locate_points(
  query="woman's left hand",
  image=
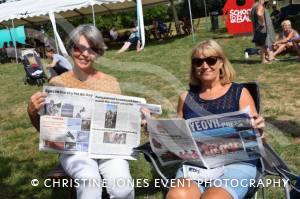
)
(144, 112)
(259, 123)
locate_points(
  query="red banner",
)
(237, 17)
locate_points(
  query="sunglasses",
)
(198, 62)
(80, 49)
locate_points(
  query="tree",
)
(175, 15)
(197, 7)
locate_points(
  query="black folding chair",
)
(271, 164)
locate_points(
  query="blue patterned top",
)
(194, 106)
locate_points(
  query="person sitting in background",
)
(4, 45)
(11, 44)
(154, 28)
(275, 13)
(186, 26)
(134, 38)
(59, 64)
(286, 38)
(113, 33)
(19, 45)
(3, 54)
(159, 29)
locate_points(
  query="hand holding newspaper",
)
(103, 125)
(209, 141)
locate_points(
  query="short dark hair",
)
(91, 33)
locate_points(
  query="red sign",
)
(237, 17)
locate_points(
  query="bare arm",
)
(53, 64)
(286, 40)
(181, 100)
(247, 100)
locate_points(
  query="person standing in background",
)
(264, 35)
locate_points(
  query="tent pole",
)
(56, 44)
(140, 19)
(14, 40)
(191, 21)
(205, 9)
(93, 11)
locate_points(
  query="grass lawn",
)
(159, 74)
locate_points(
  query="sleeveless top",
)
(295, 35)
(194, 106)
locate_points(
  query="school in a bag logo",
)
(237, 16)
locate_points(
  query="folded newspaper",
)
(209, 141)
(102, 125)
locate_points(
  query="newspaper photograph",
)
(226, 138)
(172, 141)
(101, 125)
(116, 126)
(209, 141)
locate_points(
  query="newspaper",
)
(101, 125)
(209, 141)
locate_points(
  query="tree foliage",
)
(197, 7)
(126, 19)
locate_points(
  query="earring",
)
(222, 72)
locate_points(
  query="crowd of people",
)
(265, 37)
(36, 39)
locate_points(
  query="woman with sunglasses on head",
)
(85, 44)
(212, 91)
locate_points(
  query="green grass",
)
(159, 74)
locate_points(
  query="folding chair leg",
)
(287, 189)
(256, 195)
(264, 192)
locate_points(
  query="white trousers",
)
(115, 172)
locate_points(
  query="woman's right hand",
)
(36, 102)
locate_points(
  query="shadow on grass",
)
(5, 172)
(244, 61)
(156, 183)
(155, 186)
(287, 127)
(13, 185)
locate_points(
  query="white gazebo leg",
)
(191, 21)
(14, 40)
(140, 17)
(93, 12)
(58, 41)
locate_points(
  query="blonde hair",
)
(212, 48)
(286, 23)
